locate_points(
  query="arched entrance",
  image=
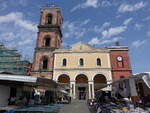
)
(99, 82)
(81, 87)
(64, 80)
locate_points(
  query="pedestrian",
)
(69, 99)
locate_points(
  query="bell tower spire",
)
(50, 28)
(48, 39)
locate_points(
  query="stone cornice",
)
(117, 48)
(37, 71)
(72, 52)
(70, 69)
(113, 70)
(45, 49)
(50, 8)
(50, 28)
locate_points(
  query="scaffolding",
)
(10, 62)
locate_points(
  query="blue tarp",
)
(10, 111)
(48, 109)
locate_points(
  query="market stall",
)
(19, 91)
(129, 95)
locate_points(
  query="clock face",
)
(119, 58)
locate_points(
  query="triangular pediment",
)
(81, 46)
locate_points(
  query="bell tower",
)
(48, 39)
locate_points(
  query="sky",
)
(98, 22)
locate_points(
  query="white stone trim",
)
(91, 94)
(73, 88)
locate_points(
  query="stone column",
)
(72, 89)
(91, 89)
(93, 93)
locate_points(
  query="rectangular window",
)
(120, 64)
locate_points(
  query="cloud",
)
(101, 41)
(113, 31)
(17, 19)
(3, 5)
(94, 41)
(79, 29)
(75, 29)
(85, 22)
(87, 3)
(17, 32)
(98, 29)
(127, 21)
(106, 31)
(105, 3)
(138, 26)
(25, 42)
(16, 37)
(106, 24)
(7, 36)
(138, 43)
(91, 3)
(130, 8)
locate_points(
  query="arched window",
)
(49, 19)
(47, 42)
(81, 62)
(44, 63)
(64, 63)
(98, 62)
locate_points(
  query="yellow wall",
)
(90, 68)
(90, 60)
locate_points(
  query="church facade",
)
(84, 68)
